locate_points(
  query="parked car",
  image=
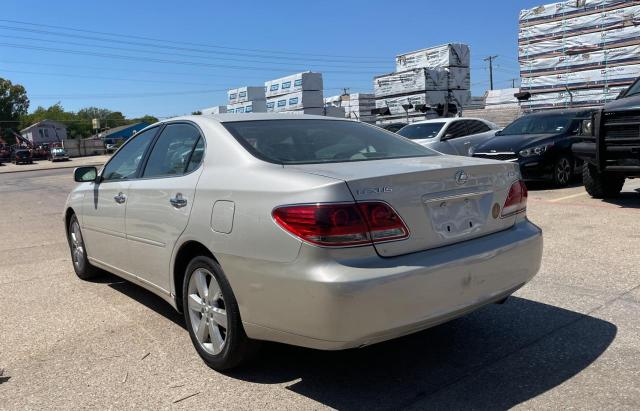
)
(393, 127)
(541, 144)
(610, 146)
(22, 157)
(456, 136)
(306, 230)
(58, 154)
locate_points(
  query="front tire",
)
(600, 185)
(562, 171)
(213, 317)
(84, 270)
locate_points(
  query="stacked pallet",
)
(301, 93)
(433, 76)
(214, 110)
(357, 106)
(246, 100)
(578, 53)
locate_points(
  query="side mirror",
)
(85, 174)
(498, 133)
(447, 136)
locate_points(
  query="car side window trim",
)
(147, 150)
(155, 140)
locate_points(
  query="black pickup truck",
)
(610, 145)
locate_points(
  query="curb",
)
(62, 166)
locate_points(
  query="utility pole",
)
(490, 60)
(513, 82)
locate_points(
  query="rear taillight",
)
(516, 201)
(341, 225)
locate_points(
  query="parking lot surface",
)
(7, 167)
(569, 339)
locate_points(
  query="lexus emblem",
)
(461, 177)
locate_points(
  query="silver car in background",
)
(305, 230)
(456, 136)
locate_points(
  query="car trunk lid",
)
(441, 199)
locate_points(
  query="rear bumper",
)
(362, 299)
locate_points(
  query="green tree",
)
(145, 119)
(14, 103)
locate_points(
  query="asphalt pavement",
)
(569, 339)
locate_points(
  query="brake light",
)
(341, 225)
(516, 201)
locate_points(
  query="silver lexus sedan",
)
(305, 230)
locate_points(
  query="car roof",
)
(578, 112)
(228, 118)
(448, 120)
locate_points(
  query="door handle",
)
(178, 201)
(120, 198)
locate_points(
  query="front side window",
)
(321, 141)
(124, 164)
(172, 151)
(421, 131)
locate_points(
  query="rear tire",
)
(600, 185)
(84, 270)
(209, 302)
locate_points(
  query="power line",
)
(208, 56)
(93, 77)
(137, 70)
(167, 61)
(293, 53)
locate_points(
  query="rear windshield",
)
(321, 141)
(421, 131)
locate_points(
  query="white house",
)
(45, 132)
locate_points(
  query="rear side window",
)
(456, 129)
(321, 141)
(476, 127)
(172, 152)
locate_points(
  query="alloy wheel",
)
(77, 246)
(563, 171)
(207, 311)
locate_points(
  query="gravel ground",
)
(569, 339)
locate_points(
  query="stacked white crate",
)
(578, 53)
(300, 93)
(432, 76)
(214, 110)
(357, 106)
(246, 99)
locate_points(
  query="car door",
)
(159, 204)
(103, 208)
(473, 136)
(453, 131)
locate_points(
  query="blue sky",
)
(170, 58)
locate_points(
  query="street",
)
(569, 339)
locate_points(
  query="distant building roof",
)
(39, 123)
(107, 133)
